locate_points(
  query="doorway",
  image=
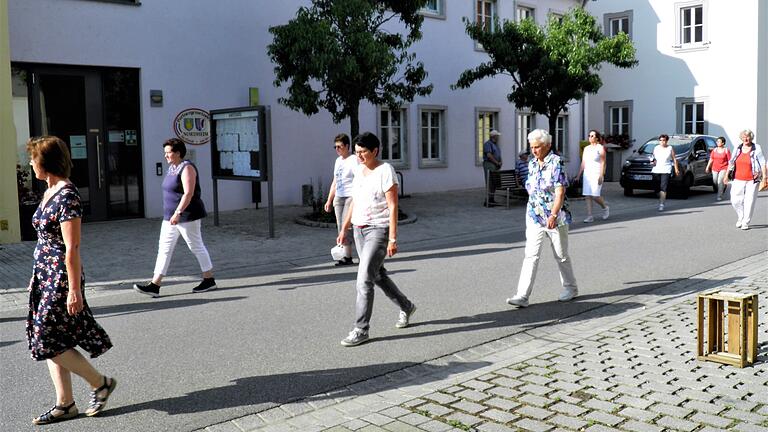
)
(96, 112)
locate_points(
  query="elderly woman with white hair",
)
(547, 217)
(745, 170)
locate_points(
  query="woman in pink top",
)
(718, 165)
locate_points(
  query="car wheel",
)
(628, 191)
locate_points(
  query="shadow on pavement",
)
(539, 314)
(284, 388)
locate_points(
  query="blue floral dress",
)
(50, 329)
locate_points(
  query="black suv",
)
(692, 154)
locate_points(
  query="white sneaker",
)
(719, 198)
(738, 223)
(744, 226)
(589, 219)
(661, 207)
(520, 302)
(606, 212)
(355, 337)
(568, 295)
(405, 317)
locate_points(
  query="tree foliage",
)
(550, 66)
(336, 53)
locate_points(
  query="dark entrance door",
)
(96, 113)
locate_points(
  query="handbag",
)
(732, 172)
(763, 185)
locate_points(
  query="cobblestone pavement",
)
(616, 369)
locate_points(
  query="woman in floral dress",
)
(59, 318)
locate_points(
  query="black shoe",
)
(344, 262)
(57, 414)
(149, 289)
(207, 284)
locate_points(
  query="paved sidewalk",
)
(614, 369)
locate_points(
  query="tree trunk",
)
(553, 131)
(354, 121)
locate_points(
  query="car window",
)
(711, 143)
(680, 146)
(700, 145)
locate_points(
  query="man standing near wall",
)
(491, 162)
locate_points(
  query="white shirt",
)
(663, 156)
(343, 173)
(369, 202)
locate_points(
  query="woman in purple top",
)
(183, 211)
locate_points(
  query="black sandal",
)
(98, 403)
(69, 411)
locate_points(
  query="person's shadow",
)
(284, 388)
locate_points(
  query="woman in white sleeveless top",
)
(593, 170)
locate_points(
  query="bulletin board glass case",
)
(238, 144)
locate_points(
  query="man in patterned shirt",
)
(547, 216)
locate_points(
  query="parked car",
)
(692, 154)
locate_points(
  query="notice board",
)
(238, 144)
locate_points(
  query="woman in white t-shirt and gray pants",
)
(340, 194)
(663, 161)
(373, 216)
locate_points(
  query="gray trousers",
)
(371, 243)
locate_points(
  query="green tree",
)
(550, 66)
(336, 53)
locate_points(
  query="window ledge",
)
(692, 47)
(432, 164)
(435, 15)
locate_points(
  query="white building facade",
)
(703, 69)
(110, 77)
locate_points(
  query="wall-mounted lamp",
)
(156, 98)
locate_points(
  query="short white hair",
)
(748, 133)
(540, 135)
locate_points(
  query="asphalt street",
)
(186, 361)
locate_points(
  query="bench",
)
(507, 183)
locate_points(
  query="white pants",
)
(743, 197)
(534, 236)
(169, 235)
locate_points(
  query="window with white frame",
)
(557, 17)
(690, 115)
(485, 12)
(691, 23)
(524, 12)
(618, 117)
(393, 132)
(486, 121)
(561, 135)
(526, 122)
(619, 22)
(432, 136)
(434, 8)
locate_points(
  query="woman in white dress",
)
(592, 171)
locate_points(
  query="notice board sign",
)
(238, 144)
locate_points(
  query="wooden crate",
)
(739, 312)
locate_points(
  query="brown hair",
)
(177, 146)
(52, 154)
(342, 138)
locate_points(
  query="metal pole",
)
(215, 202)
(270, 174)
